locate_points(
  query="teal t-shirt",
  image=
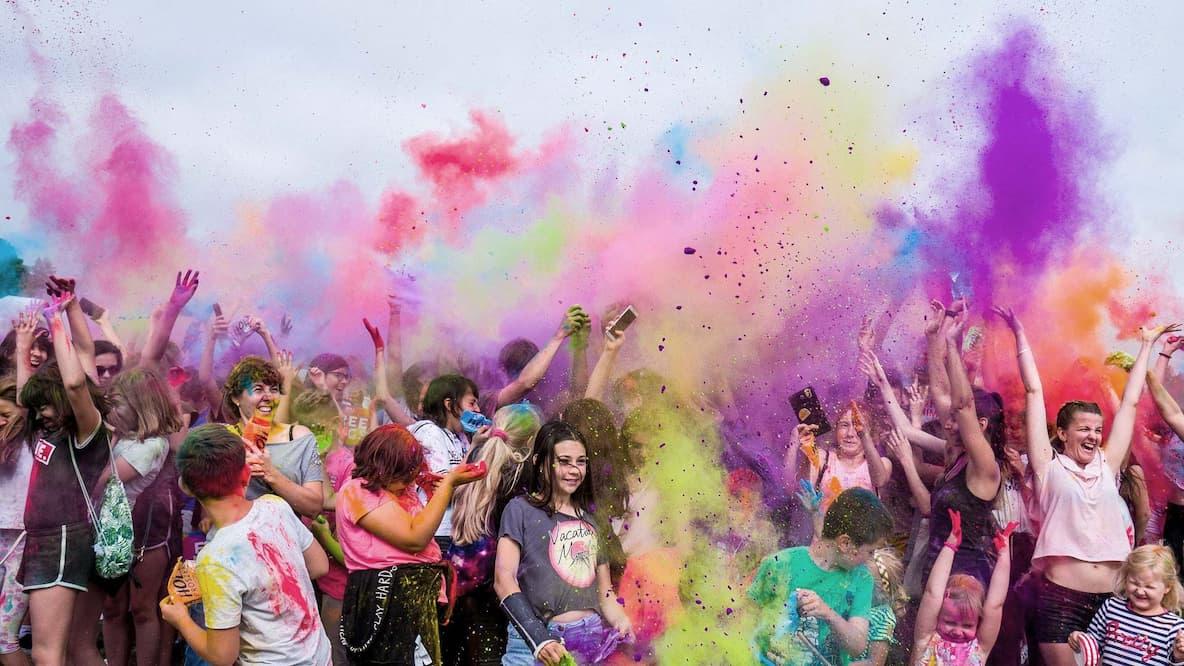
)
(848, 592)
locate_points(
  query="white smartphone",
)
(622, 321)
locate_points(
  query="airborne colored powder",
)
(752, 260)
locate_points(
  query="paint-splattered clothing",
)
(253, 576)
(839, 475)
(364, 550)
(560, 553)
(940, 652)
(848, 592)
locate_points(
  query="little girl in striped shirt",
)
(1139, 624)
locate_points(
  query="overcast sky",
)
(253, 99)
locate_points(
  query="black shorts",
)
(1061, 611)
(62, 556)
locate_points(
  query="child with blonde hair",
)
(1140, 624)
(888, 605)
(956, 625)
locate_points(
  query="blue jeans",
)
(588, 639)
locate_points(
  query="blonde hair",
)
(1158, 560)
(888, 571)
(148, 398)
(505, 456)
(966, 593)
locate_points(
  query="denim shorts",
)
(588, 639)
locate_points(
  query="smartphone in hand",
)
(808, 408)
(622, 322)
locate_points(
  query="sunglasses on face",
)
(107, 370)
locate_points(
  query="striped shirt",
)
(1128, 638)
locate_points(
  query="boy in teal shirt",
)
(822, 589)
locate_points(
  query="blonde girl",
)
(1140, 623)
(956, 624)
(888, 605)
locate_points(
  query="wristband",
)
(950, 546)
(1165, 355)
(532, 628)
(1025, 350)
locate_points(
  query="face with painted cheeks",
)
(1083, 437)
(955, 623)
(259, 398)
(569, 469)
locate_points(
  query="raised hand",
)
(1003, 536)
(375, 336)
(287, 368)
(184, 289)
(25, 326)
(955, 538)
(1008, 316)
(613, 340)
(219, 327)
(898, 446)
(867, 334)
(934, 317)
(574, 319)
(1152, 334)
(809, 496)
(58, 286)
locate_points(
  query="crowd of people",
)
(153, 511)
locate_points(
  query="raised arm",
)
(102, 318)
(74, 380)
(935, 587)
(533, 373)
(183, 289)
(84, 344)
(205, 368)
(878, 467)
(258, 326)
(992, 614)
(599, 379)
(577, 376)
(939, 379)
(983, 470)
(25, 327)
(1123, 430)
(1168, 408)
(382, 386)
(1039, 448)
(870, 366)
(1170, 345)
(898, 447)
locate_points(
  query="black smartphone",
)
(217, 310)
(622, 321)
(90, 308)
(808, 409)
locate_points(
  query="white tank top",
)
(1084, 517)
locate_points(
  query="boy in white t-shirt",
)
(258, 596)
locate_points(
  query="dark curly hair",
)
(249, 371)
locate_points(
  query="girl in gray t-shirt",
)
(551, 574)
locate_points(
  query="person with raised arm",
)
(71, 449)
(973, 423)
(1087, 531)
(1172, 447)
(956, 623)
(598, 380)
(525, 364)
(396, 411)
(165, 317)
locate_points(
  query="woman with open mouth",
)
(1087, 529)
